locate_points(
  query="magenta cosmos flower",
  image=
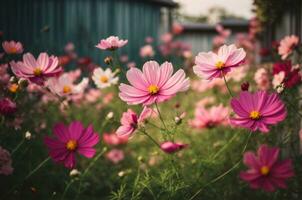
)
(265, 170)
(111, 43)
(154, 84)
(257, 110)
(12, 47)
(130, 121)
(36, 70)
(7, 106)
(70, 140)
(211, 65)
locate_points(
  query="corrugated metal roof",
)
(167, 3)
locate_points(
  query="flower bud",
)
(109, 115)
(245, 86)
(74, 173)
(13, 88)
(171, 147)
(13, 79)
(108, 60)
(23, 83)
(27, 135)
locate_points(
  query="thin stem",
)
(226, 172)
(160, 116)
(150, 137)
(226, 84)
(18, 146)
(87, 170)
(37, 168)
(67, 187)
(225, 146)
(155, 126)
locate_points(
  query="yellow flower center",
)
(264, 170)
(37, 71)
(219, 64)
(13, 88)
(71, 145)
(255, 115)
(13, 50)
(153, 89)
(66, 89)
(104, 79)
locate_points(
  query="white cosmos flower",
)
(64, 86)
(103, 79)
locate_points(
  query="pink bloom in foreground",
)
(287, 44)
(113, 139)
(154, 84)
(130, 121)
(70, 140)
(115, 156)
(172, 147)
(256, 111)
(111, 43)
(211, 65)
(5, 162)
(265, 170)
(7, 106)
(12, 47)
(36, 70)
(209, 118)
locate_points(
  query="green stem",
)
(226, 172)
(225, 146)
(226, 84)
(37, 168)
(18, 146)
(150, 137)
(67, 187)
(160, 116)
(87, 170)
(155, 126)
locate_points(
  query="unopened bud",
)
(108, 60)
(110, 115)
(74, 173)
(177, 120)
(27, 135)
(13, 79)
(23, 83)
(245, 86)
(13, 88)
(280, 88)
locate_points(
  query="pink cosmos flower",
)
(210, 65)
(7, 106)
(214, 116)
(115, 156)
(154, 84)
(265, 170)
(36, 70)
(130, 122)
(12, 47)
(111, 43)
(146, 51)
(4, 75)
(172, 147)
(5, 162)
(166, 38)
(287, 44)
(258, 110)
(70, 140)
(262, 79)
(64, 85)
(92, 95)
(113, 139)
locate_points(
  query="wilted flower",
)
(36, 70)
(12, 47)
(210, 65)
(64, 86)
(115, 156)
(172, 147)
(104, 79)
(5, 162)
(70, 140)
(111, 43)
(258, 110)
(265, 170)
(7, 106)
(154, 84)
(287, 44)
(130, 121)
